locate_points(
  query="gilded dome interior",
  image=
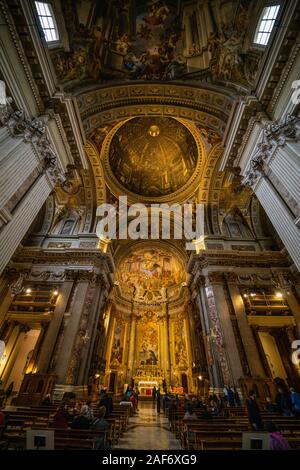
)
(153, 156)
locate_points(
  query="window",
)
(266, 24)
(47, 21)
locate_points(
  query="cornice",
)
(261, 259)
(74, 257)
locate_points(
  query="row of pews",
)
(19, 419)
(225, 433)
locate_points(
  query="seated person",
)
(61, 418)
(277, 441)
(214, 408)
(100, 424)
(47, 400)
(190, 415)
(272, 407)
(81, 421)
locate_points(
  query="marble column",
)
(15, 168)
(253, 358)
(285, 164)
(48, 345)
(209, 350)
(281, 218)
(6, 299)
(224, 335)
(91, 332)
(109, 342)
(9, 348)
(12, 351)
(132, 344)
(13, 232)
(71, 330)
(166, 324)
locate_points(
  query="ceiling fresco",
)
(155, 40)
(153, 156)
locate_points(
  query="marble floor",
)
(148, 431)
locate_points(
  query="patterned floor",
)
(148, 431)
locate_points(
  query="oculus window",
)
(266, 24)
(47, 21)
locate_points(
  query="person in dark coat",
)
(271, 407)
(284, 403)
(254, 412)
(154, 393)
(100, 424)
(230, 397)
(158, 401)
(61, 418)
(106, 400)
(236, 397)
(82, 420)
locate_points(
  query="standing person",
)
(136, 395)
(154, 393)
(133, 401)
(225, 393)
(284, 403)
(295, 399)
(236, 397)
(253, 411)
(230, 397)
(158, 401)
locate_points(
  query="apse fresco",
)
(148, 273)
(155, 40)
(153, 156)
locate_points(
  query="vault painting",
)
(153, 156)
(146, 275)
(156, 40)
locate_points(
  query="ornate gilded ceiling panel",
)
(153, 156)
(153, 159)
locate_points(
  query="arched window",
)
(47, 20)
(266, 24)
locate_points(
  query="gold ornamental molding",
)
(207, 106)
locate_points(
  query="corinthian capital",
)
(280, 131)
(35, 132)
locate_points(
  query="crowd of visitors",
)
(81, 416)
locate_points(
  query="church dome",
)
(153, 156)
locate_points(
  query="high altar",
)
(149, 325)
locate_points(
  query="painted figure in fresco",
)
(151, 359)
(157, 13)
(134, 65)
(122, 44)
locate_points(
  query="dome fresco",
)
(153, 156)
